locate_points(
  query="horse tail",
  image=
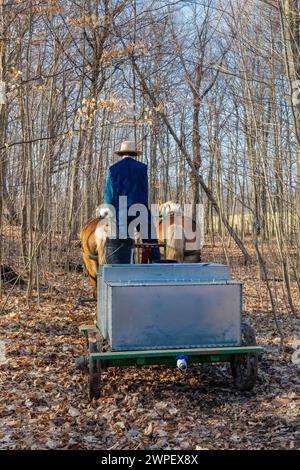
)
(175, 242)
(89, 251)
(101, 234)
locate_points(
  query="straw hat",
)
(127, 148)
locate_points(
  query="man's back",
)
(128, 177)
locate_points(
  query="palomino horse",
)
(93, 241)
(90, 251)
(180, 233)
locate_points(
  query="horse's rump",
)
(89, 250)
(182, 235)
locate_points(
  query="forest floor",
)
(43, 397)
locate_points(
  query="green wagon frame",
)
(243, 359)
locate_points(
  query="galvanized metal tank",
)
(142, 307)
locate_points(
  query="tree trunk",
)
(290, 24)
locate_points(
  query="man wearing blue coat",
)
(128, 178)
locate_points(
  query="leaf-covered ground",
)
(44, 403)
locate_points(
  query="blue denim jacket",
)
(128, 177)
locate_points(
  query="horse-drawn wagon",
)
(173, 314)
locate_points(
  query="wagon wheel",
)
(94, 366)
(244, 366)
